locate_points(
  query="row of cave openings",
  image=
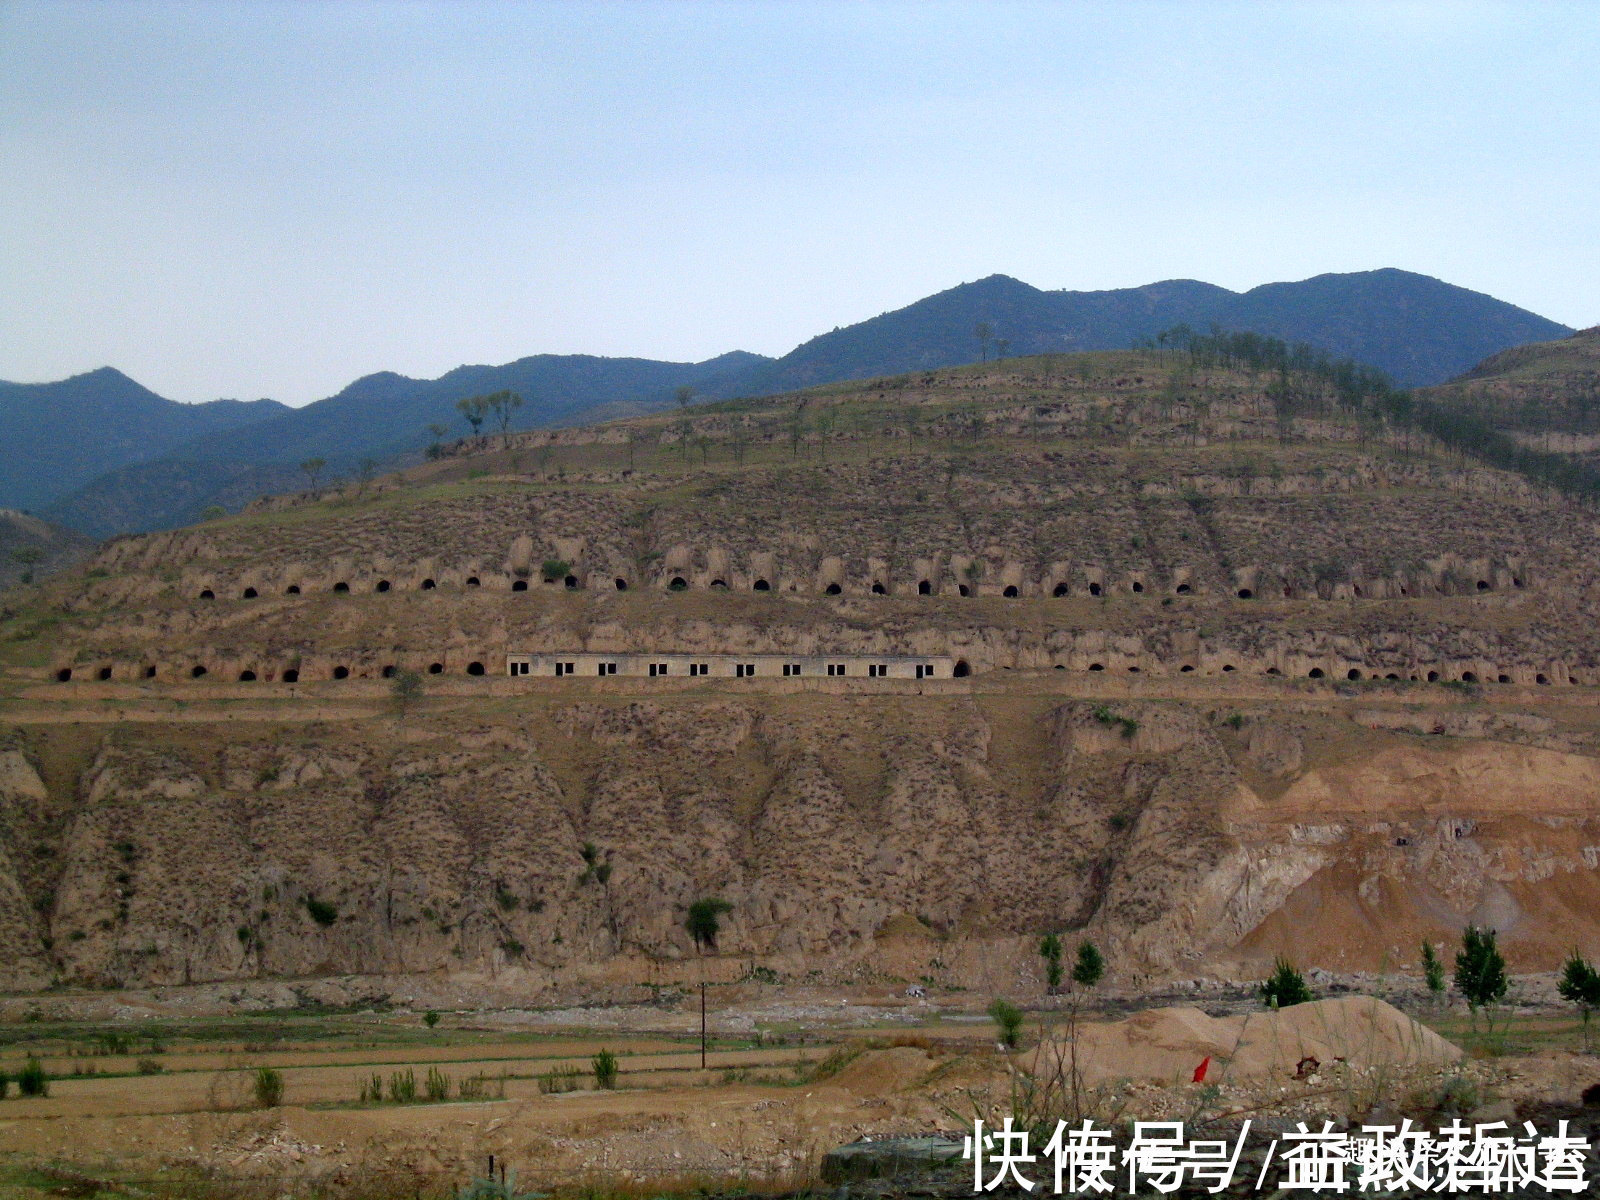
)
(961, 670)
(925, 587)
(249, 675)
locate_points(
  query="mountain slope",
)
(1417, 329)
(59, 436)
(378, 416)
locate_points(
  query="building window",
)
(835, 668)
(657, 669)
(924, 670)
(877, 670)
(606, 669)
(699, 668)
(563, 669)
(744, 670)
(791, 668)
(520, 668)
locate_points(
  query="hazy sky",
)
(271, 199)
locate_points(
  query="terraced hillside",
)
(1239, 669)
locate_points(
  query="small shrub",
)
(1432, 971)
(436, 1086)
(149, 1066)
(1285, 986)
(268, 1087)
(430, 1018)
(1008, 1018)
(372, 1090)
(31, 1080)
(321, 911)
(605, 1070)
(403, 1087)
(558, 1080)
(1235, 722)
(554, 568)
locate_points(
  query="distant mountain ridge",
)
(103, 455)
(1416, 329)
(59, 436)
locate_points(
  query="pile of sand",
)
(1167, 1044)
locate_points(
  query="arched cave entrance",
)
(1010, 592)
(879, 590)
(1137, 586)
(571, 582)
(761, 585)
(833, 589)
(248, 594)
(1094, 589)
(435, 668)
(388, 671)
(197, 671)
(292, 590)
(924, 587)
(1469, 677)
(381, 586)
(428, 585)
(1314, 673)
(64, 675)
(963, 589)
(103, 674)
(720, 585)
(962, 669)
(677, 584)
(519, 585)
(341, 672)
(208, 594)
(341, 586)
(1097, 666)
(622, 584)
(247, 676)
(1353, 673)
(291, 676)
(474, 668)
(150, 672)
(1246, 594)
(1183, 589)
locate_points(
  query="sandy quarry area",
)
(787, 1078)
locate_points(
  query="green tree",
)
(1480, 969)
(1285, 986)
(474, 409)
(28, 557)
(430, 1018)
(313, 469)
(1433, 971)
(1090, 966)
(1008, 1017)
(1050, 951)
(984, 332)
(704, 921)
(684, 395)
(1580, 985)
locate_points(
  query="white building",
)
(736, 666)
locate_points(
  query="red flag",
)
(1200, 1071)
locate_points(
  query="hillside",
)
(1546, 396)
(59, 436)
(1232, 675)
(1417, 329)
(32, 549)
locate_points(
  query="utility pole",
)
(702, 1024)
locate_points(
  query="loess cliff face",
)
(565, 840)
